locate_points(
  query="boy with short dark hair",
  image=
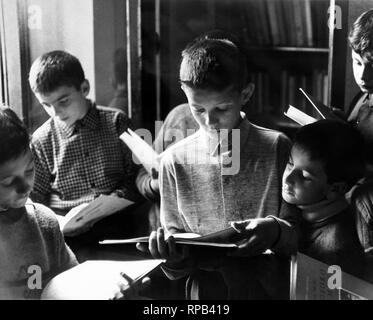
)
(229, 170)
(360, 114)
(326, 160)
(32, 248)
(78, 153)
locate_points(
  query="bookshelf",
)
(289, 45)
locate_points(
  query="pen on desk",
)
(128, 278)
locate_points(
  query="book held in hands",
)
(303, 119)
(227, 238)
(85, 215)
(142, 151)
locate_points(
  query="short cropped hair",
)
(213, 64)
(14, 138)
(55, 69)
(338, 145)
(361, 35)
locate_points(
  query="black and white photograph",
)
(186, 154)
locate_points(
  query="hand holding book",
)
(258, 234)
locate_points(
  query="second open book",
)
(302, 118)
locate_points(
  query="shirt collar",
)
(90, 121)
(224, 143)
(323, 210)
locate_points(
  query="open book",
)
(97, 280)
(302, 118)
(85, 215)
(227, 238)
(143, 152)
(311, 279)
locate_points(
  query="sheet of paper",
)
(96, 280)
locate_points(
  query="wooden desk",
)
(97, 279)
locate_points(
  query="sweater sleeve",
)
(42, 187)
(170, 217)
(288, 216)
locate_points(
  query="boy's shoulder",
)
(44, 132)
(45, 217)
(183, 146)
(266, 134)
(112, 117)
(110, 111)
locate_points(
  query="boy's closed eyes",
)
(304, 180)
(16, 181)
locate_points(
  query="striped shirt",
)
(76, 163)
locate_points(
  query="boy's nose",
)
(288, 178)
(211, 119)
(367, 74)
(23, 187)
(57, 111)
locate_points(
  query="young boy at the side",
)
(361, 115)
(32, 247)
(78, 153)
(201, 198)
(326, 160)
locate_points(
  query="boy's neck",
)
(11, 215)
(320, 211)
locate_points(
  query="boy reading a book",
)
(32, 244)
(326, 160)
(178, 125)
(229, 170)
(78, 153)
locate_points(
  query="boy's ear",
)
(85, 87)
(337, 188)
(247, 92)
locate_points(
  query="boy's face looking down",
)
(16, 180)
(304, 180)
(66, 103)
(363, 72)
(216, 110)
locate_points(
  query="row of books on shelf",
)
(270, 96)
(294, 23)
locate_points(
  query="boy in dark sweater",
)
(326, 160)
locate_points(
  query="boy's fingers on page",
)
(153, 245)
(162, 244)
(239, 226)
(143, 247)
(171, 246)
